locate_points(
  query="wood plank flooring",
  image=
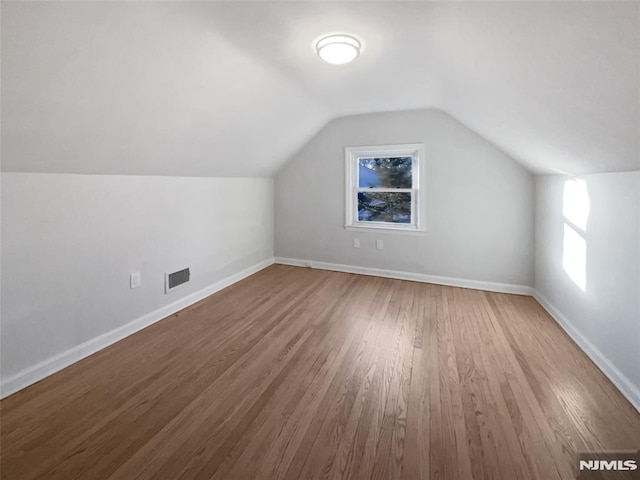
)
(298, 373)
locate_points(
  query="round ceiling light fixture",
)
(338, 49)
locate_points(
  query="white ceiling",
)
(235, 88)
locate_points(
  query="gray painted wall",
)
(479, 202)
(69, 243)
(607, 312)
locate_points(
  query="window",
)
(383, 188)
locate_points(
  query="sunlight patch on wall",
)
(575, 208)
(574, 256)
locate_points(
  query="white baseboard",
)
(626, 387)
(47, 367)
(416, 277)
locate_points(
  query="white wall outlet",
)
(356, 243)
(379, 244)
(135, 280)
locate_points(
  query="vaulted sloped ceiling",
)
(235, 88)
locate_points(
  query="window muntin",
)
(383, 187)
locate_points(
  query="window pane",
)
(390, 172)
(384, 207)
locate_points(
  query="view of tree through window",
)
(389, 181)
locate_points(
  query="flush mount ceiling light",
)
(338, 49)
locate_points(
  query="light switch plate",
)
(135, 280)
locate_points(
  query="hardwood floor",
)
(298, 373)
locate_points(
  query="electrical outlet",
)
(356, 243)
(135, 280)
(379, 244)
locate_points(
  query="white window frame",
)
(352, 155)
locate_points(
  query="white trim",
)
(415, 277)
(619, 380)
(626, 387)
(37, 372)
(48, 367)
(380, 229)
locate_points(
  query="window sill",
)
(378, 229)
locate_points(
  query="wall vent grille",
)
(176, 279)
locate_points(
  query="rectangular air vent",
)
(176, 279)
